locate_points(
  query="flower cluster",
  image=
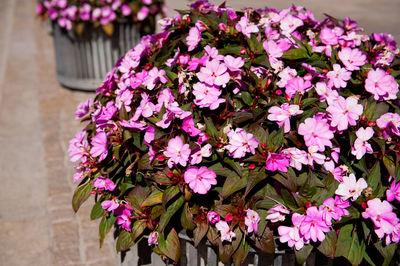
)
(70, 13)
(245, 127)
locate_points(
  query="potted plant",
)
(245, 127)
(90, 36)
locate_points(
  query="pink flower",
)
(273, 50)
(124, 98)
(99, 145)
(338, 77)
(289, 24)
(143, 13)
(152, 240)
(241, 142)
(277, 213)
(78, 147)
(141, 125)
(154, 76)
(277, 162)
(297, 157)
(326, 93)
(213, 217)
(393, 192)
(352, 58)
(292, 234)
(109, 205)
(296, 85)
(382, 85)
(177, 152)
(313, 155)
(233, 63)
(282, 114)
(328, 36)
(361, 146)
(197, 157)
(103, 183)
(200, 179)
(193, 38)
(381, 214)
(246, 27)
(314, 226)
(214, 73)
(344, 112)
(124, 217)
(188, 127)
(83, 108)
(226, 233)
(390, 123)
(333, 209)
(251, 221)
(207, 96)
(286, 75)
(350, 188)
(316, 132)
(145, 109)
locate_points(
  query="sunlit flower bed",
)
(242, 127)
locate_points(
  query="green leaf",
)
(234, 164)
(233, 184)
(240, 117)
(210, 128)
(137, 229)
(136, 197)
(97, 211)
(328, 246)
(386, 251)
(154, 198)
(241, 253)
(171, 210)
(302, 254)
(169, 194)
(349, 245)
(81, 194)
(294, 54)
(265, 242)
(374, 176)
(124, 241)
(187, 219)
(199, 232)
(288, 199)
(246, 97)
(171, 246)
(105, 226)
(390, 166)
(253, 179)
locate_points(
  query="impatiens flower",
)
(273, 50)
(177, 152)
(328, 36)
(214, 73)
(333, 209)
(213, 217)
(344, 112)
(326, 94)
(207, 96)
(124, 98)
(277, 161)
(110, 205)
(338, 77)
(233, 63)
(241, 142)
(154, 76)
(316, 132)
(251, 221)
(200, 179)
(296, 85)
(290, 24)
(382, 85)
(103, 183)
(390, 124)
(246, 27)
(314, 226)
(143, 13)
(361, 146)
(297, 157)
(83, 108)
(188, 127)
(350, 187)
(153, 238)
(193, 38)
(291, 235)
(277, 213)
(225, 231)
(286, 75)
(352, 58)
(314, 156)
(382, 215)
(393, 192)
(99, 145)
(145, 109)
(196, 157)
(78, 147)
(123, 214)
(282, 114)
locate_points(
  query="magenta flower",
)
(390, 124)
(103, 183)
(361, 145)
(193, 38)
(207, 96)
(109, 205)
(277, 213)
(382, 85)
(283, 114)
(297, 85)
(213, 217)
(188, 127)
(350, 188)
(251, 221)
(393, 192)
(214, 73)
(241, 142)
(246, 27)
(225, 231)
(291, 235)
(141, 125)
(316, 132)
(83, 108)
(344, 112)
(153, 77)
(277, 162)
(177, 152)
(352, 58)
(78, 147)
(99, 145)
(143, 13)
(314, 226)
(200, 179)
(153, 238)
(338, 77)
(124, 217)
(145, 109)
(382, 215)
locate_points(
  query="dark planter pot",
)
(83, 61)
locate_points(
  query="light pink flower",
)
(333, 209)
(143, 13)
(177, 152)
(314, 226)
(214, 73)
(382, 85)
(338, 77)
(314, 156)
(297, 157)
(233, 63)
(316, 132)
(291, 235)
(283, 114)
(289, 24)
(344, 112)
(110, 205)
(78, 147)
(83, 108)
(153, 77)
(226, 233)
(393, 192)
(103, 183)
(273, 50)
(296, 85)
(246, 27)
(277, 161)
(141, 125)
(197, 157)
(99, 145)
(207, 96)
(328, 36)
(152, 240)
(241, 142)
(193, 38)
(277, 213)
(200, 179)
(145, 109)
(350, 187)
(352, 58)
(326, 93)
(361, 146)
(213, 217)
(251, 221)
(286, 75)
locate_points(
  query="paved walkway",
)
(37, 224)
